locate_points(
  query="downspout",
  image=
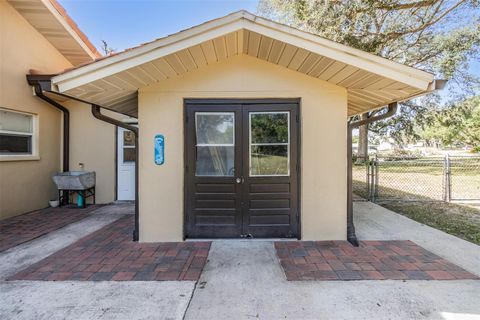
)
(42, 83)
(97, 114)
(351, 235)
(37, 82)
(66, 121)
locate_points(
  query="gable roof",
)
(371, 81)
(50, 19)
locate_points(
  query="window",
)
(269, 144)
(215, 134)
(17, 133)
(129, 153)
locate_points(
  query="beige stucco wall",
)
(323, 129)
(27, 185)
(92, 142)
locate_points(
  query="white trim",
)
(250, 144)
(34, 155)
(18, 157)
(232, 23)
(215, 145)
(207, 113)
(215, 114)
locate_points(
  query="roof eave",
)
(59, 13)
(245, 20)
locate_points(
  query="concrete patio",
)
(243, 279)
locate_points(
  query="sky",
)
(128, 23)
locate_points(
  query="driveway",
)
(244, 280)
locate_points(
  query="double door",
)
(241, 176)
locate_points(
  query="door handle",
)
(239, 180)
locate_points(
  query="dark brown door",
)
(241, 169)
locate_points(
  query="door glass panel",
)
(129, 155)
(215, 136)
(269, 143)
(269, 160)
(214, 128)
(128, 138)
(269, 127)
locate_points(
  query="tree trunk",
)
(362, 152)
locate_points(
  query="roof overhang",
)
(371, 81)
(50, 19)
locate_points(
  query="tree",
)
(455, 124)
(107, 50)
(439, 36)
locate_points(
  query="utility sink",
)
(75, 180)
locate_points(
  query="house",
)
(242, 127)
(39, 35)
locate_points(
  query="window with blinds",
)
(16, 133)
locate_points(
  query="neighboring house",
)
(39, 35)
(252, 116)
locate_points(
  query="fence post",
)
(375, 165)
(447, 173)
(372, 179)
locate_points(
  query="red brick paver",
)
(29, 226)
(373, 260)
(109, 254)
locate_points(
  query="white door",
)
(126, 165)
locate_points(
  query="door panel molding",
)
(222, 207)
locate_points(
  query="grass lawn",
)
(422, 184)
(458, 220)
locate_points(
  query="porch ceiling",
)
(371, 81)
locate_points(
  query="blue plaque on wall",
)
(159, 149)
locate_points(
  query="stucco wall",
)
(27, 185)
(323, 130)
(92, 142)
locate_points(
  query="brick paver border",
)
(26, 227)
(109, 254)
(373, 260)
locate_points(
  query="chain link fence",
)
(417, 179)
(464, 178)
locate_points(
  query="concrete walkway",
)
(243, 280)
(377, 223)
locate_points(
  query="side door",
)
(125, 164)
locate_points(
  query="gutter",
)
(351, 235)
(41, 84)
(437, 84)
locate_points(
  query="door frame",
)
(240, 101)
(134, 123)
